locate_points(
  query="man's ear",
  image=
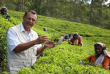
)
(23, 17)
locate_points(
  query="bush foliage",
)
(63, 58)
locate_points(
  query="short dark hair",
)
(32, 11)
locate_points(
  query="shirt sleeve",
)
(39, 45)
(106, 62)
(12, 39)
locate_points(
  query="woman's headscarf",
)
(3, 8)
(104, 48)
(65, 36)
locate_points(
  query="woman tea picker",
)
(66, 37)
(76, 40)
(101, 56)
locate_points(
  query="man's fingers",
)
(50, 44)
(45, 38)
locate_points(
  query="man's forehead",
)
(31, 14)
(34, 16)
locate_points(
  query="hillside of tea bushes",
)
(64, 58)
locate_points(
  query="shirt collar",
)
(23, 30)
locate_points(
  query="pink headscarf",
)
(104, 46)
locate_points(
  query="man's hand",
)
(50, 44)
(42, 39)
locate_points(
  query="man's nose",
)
(30, 21)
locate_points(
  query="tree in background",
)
(96, 12)
(91, 12)
(2, 2)
(18, 5)
(81, 11)
(22, 5)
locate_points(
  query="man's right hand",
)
(42, 39)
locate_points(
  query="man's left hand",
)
(50, 44)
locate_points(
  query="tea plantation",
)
(64, 58)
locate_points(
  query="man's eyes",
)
(29, 18)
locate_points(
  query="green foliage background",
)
(64, 58)
(71, 10)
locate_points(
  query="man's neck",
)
(27, 31)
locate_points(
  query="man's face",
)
(29, 20)
(3, 11)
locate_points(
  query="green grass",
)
(64, 58)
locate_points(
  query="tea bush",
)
(4, 25)
(64, 58)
